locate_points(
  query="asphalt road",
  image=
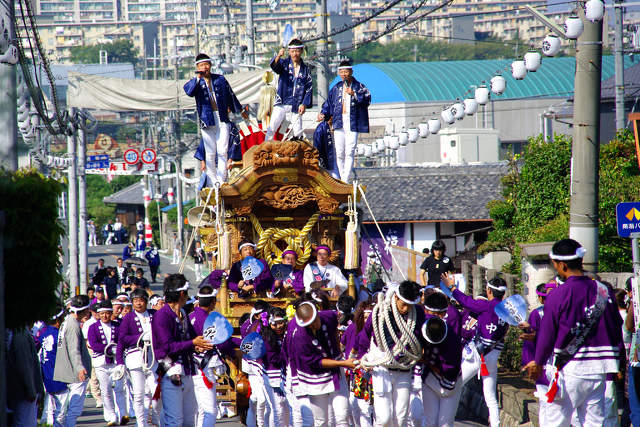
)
(92, 416)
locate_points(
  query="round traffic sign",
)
(148, 155)
(131, 156)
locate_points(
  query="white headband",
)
(100, 310)
(580, 252)
(367, 311)
(426, 337)
(311, 320)
(255, 311)
(497, 288)
(127, 303)
(437, 310)
(153, 301)
(185, 287)
(345, 67)
(403, 299)
(77, 309)
(211, 295)
(204, 60)
(296, 46)
(273, 319)
(55, 316)
(245, 245)
(315, 297)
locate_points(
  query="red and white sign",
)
(131, 156)
(148, 155)
(122, 168)
(148, 233)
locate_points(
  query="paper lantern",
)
(424, 129)
(403, 138)
(170, 195)
(368, 151)
(573, 27)
(394, 142)
(448, 116)
(434, 125)
(386, 141)
(458, 110)
(482, 95)
(360, 149)
(414, 133)
(594, 10)
(551, 45)
(532, 60)
(470, 106)
(498, 85)
(382, 144)
(518, 70)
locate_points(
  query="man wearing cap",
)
(391, 356)
(246, 288)
(317, 359)
(442, 384)
(103, 340)
(134, 343)
(214, 100)
(295, 89)
(174, 341)
(322, 271)
(347, 105)
(489, 340)
(73, 362)
(579, 341)
(294, 280)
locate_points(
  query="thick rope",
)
(297, 240)
(407, 350)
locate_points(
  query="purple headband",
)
(290, 251)
(326, 248)
(541, 294)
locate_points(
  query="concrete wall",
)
(424, 233)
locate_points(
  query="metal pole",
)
(619, 62)
(323, 84)
(227, 34)
(8, 112)
(73, 212)
(583, 219)
(3, 347)
(251, 43)
(195, 30)
(635, 250)
(178, 164)
(82, 209)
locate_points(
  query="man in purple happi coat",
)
(247, 288)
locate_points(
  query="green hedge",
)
(31, 246)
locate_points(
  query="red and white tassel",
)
(484, 372)
(553, 389)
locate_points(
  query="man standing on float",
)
(295, 89)
(347, 105)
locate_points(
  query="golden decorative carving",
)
(286, 153)
(285, 196)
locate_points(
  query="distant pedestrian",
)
(73, 362)
(127, 251)
(111, 283)
(199, 258)
(176, 244)
(139, 227)
(153, 257)
(108, 233)
(99, 273)
(140, 282)
(140, 246)
(91, 230)
(56, 391)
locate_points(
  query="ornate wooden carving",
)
(285, 154)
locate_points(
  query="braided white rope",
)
(407, 350)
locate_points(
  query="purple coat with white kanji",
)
(274, 362)
(197, 318)
(564, 309)
(491, 329)
(306, 353)
(128, 335)
(264, 282)
(173, 339)
(443, 360)
(98, 341)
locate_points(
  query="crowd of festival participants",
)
(398, 355)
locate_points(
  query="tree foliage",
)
(31, 249)
(97, 188)
(535, 207)
(118, 51)
(420, 49)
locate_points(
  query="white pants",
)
(338, 401)
(179, 406)
(53, 409)
(440, 411)
(198, 270)
(361, 411)
(584, 396)
(176, 256)
(346, 142)
(489, 384)
(260, 402)
(143, 385)
(26, 414)
(75, 403)
(301, 415)
(392, 390)
(114, 400)
(216, 144)
(278, 115)
(541, 391)
(206, 399)
(110, 237)
(92, 239)
(416, 408)
(610, 405)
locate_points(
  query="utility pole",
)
(227, 34)
(251, 43)
(619, 62)
(8, 110)
(82, 206)
(323, 84)
(195, 31)
(73, 212)
(583, 219)
(180, 221)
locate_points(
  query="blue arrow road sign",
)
(100, 161)
(628, 218)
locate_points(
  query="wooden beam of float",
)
(635, 118)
